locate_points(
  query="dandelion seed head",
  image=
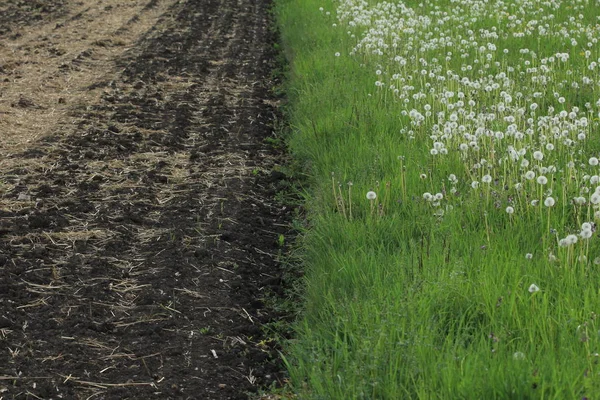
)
(529, 175)
(549, 202)
(533, 288)
(371, 195)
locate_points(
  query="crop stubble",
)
(138, 230)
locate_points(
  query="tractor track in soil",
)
(138, 226)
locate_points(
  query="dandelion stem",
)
(341, 200)
(350, 200)
(335, 197)
(487, 227)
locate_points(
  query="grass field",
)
(452, 148)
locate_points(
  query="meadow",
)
(452, 148)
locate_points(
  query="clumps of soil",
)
(139, 242)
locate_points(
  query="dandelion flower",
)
(549, 202)
(538, 155)
(371, 195)
(474, 184)
(593, 161)
(510, 210)
(439, 196)
(542, 180)
(519, 356)
(533, 288)
(486, 179)
(427, 196)
(529, 256)
(571, 239)
(529, 175)
(586, 233)
(586, 226)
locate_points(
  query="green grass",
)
(409, 298)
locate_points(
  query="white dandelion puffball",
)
(533, 288)
(427, 196)
(529, 175)
(538, 155)
(549, 202)
(586, 226)
(593, 161)
(585, 233)
(571, 239)
(519, 356)
(529, 256)
(579, 200)
(542, 180)
(510, 210)
(371, 195)
(486, 179)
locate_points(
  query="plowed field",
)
(138, 228)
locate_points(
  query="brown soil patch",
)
(138, 227)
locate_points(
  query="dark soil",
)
(139, 236)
